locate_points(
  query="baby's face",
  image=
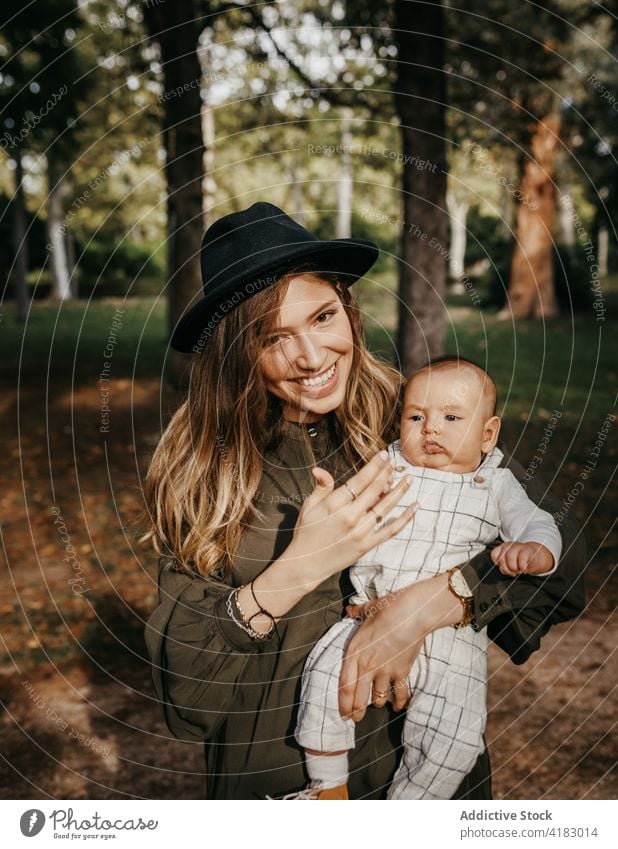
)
(447, 420)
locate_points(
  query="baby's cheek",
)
(410, 448)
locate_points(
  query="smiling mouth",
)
(320, 379)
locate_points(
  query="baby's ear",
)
(491, 430)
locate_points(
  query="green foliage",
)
(108, 267)
(44, 78)
(487, 239)
(572, 279)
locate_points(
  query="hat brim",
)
(349, 258)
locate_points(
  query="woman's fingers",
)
(324, 482)
(373, 497)
(373, 477)
(354, 687)
(401, 693)
(347, 685)
(393, 526)
(378, 510)
(380, 690)
(357, 611)
(362, 696)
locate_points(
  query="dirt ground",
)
(80, 719)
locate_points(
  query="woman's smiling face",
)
(307, 356)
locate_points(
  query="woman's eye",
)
(275, 340)
(323, 316)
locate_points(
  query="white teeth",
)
(318, 381)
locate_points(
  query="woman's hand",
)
(337, 526)
(334, 528)
(379, 657)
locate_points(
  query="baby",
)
(448, 437)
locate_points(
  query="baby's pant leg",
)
(320, 726)
(443, 731)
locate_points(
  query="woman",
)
(265, 487)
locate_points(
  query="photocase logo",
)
(32, 822)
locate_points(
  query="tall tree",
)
(590, 127)
(531, 291)
(420, 94)
(515, 105)
(43, 85)
(176, 28)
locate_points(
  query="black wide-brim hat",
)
(247, 251)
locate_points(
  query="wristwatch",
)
(458, 586)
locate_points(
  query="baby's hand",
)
(518, 558)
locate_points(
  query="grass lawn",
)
(68, 341)
(568, 364)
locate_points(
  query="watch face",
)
(460, 585)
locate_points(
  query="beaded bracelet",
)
(242, 621)
(261, 610)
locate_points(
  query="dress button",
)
(483, 607)
(399, 468)
(312, 431)
(479, 479)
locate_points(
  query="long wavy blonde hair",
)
(206, 469)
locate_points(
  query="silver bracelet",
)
(231, 602)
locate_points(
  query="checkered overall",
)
(443, 732)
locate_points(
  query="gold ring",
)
(351, 491)
(380, 694)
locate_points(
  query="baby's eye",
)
(416, 418)
(451, 418)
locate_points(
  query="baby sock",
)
(327, 770)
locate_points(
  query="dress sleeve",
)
(197, 653)
(519, 611)
(521, 520)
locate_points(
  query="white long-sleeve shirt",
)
(459, 515)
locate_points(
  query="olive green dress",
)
(240, 697)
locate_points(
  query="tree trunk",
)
(603, 249)
(70, 244)
(56, 232)
(420, 101)
(458, 214)
(531, 289)
(177, 27)
(20, 245)
(567, 223)
(345, 184)
(210, 184)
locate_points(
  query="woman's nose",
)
(309, 352)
